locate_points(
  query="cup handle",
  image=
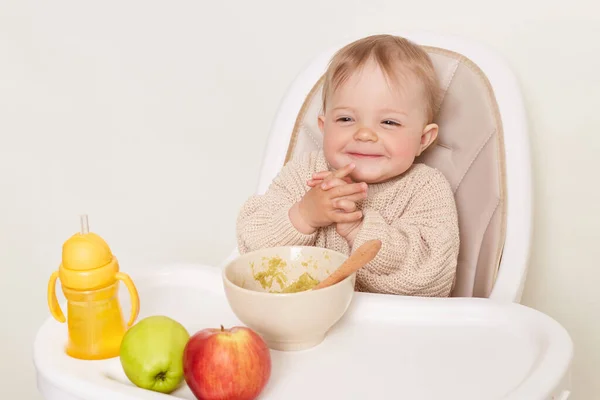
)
(52, 301)
(133, 294)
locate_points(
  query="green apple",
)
(152, 353)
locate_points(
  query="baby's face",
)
(374, 125)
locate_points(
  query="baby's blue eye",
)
(344, 119)
(390, 122)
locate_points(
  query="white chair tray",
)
(384, 347)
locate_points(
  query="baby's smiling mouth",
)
(364, 155)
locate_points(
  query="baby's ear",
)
(427, 137)
(321, 123)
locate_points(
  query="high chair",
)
(479, 344)
(482, 148)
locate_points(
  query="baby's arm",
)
(419, 249)
(264, 220)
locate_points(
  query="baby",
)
(380, 95)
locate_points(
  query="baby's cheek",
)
(406, 149)
(330, 151)
(329, 146)
(333, 142)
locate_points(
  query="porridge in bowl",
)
(276, 272)
(269, 290)
(287, 270)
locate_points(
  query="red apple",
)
(232, 364)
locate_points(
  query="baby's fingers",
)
(328, 178)
(342, 172)
(314, 182)
(321, 175)
(341, 217)
(348, 189)
(354, 197)
(344, 205)
(333, 182)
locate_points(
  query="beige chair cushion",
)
(469, 151)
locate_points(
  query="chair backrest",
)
(471, 151)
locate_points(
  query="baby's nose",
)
(365, 135)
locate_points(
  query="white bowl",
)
(288, 321)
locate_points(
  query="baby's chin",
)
(367, 176)
(368, 171)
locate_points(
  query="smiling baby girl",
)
(380, 95)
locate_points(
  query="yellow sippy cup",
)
(90, 276)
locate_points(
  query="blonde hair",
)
(394, 55)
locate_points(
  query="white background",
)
(152, 117)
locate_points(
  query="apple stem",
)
(222, 329)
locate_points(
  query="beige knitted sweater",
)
(414, 215)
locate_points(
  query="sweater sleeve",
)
(419, 251)
(264, 220)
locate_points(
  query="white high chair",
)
(481, 344)
(483, 149)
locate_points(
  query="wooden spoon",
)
(358, 259)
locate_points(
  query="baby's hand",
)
(329, 203)
(325, 179)
(319, 178)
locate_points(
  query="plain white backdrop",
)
(152, 116)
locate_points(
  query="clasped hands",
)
(331, 200)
